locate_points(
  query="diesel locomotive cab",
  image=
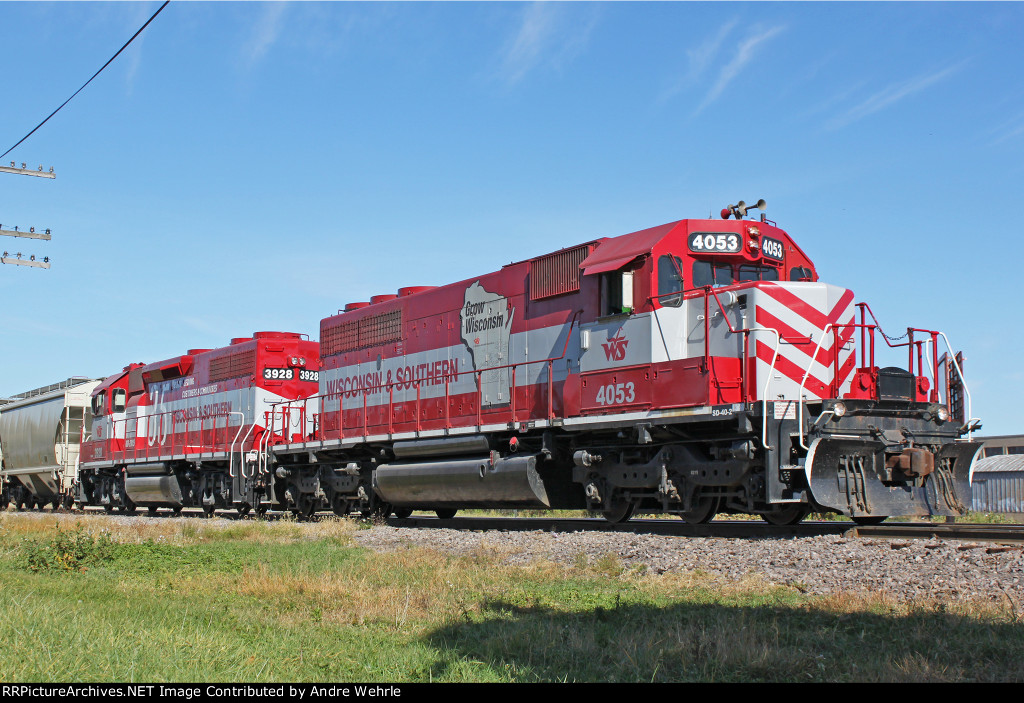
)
(793, 422)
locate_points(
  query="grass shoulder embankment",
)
(182, 600)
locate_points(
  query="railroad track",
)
(728, 529)
(736, 529)
(1004, 534)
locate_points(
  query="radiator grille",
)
(558, 273)
(233, 365)
(358, 334)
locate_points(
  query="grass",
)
(186, 600)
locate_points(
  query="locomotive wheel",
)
(129, 509)
(176, 512)
(261, 510)
(339, 506)
(151, 511)
(56, 504)
(445, 513)
(789, 515)
(108, 508)
(403, 513)
(209, 510)
(618, 512)
(307, 506)
(244, 509)
(379, 511)
(704, 510)
(867, 520)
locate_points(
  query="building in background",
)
(998, 482)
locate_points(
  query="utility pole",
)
(31, 233)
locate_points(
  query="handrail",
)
(800, 392)
(746, 332)
(169, 431)
(952, 357)
(910, 343)
(381, 388)
(771, 367)
(231, 455)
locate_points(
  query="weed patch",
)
(76, 550)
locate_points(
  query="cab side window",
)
(670, 281)
(119, 400)
(99, 403)
(800, 273)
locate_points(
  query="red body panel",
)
(413, 363)
(206, 401)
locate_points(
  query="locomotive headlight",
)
(839, 409)
(942, 413)
(297, 361)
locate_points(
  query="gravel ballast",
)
(902, 569)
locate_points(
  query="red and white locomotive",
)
(692, 368)
(193, 430)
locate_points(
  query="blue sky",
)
(252, 166)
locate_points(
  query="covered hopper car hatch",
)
(693, 368)
(195, 430)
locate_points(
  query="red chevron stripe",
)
(788, 368)
(804, 309)
(824, 356)
(795, 373)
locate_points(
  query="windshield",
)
(706, 273)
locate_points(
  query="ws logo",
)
(615, 347)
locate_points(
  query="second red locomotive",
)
(192, 431)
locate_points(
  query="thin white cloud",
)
(134, 53)
(265, 32)
(830, 103)
(542, 40)
(889, 96)
(1013, 127)
(745, 53)
(698, 60)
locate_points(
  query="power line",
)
(88, 81)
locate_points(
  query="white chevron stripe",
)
(822, 298)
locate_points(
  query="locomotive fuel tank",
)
(485, 481)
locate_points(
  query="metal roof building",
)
(998, 484)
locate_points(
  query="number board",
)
(715, 242)
(289, 374)
(772, 248)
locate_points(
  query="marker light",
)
(839, 409)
